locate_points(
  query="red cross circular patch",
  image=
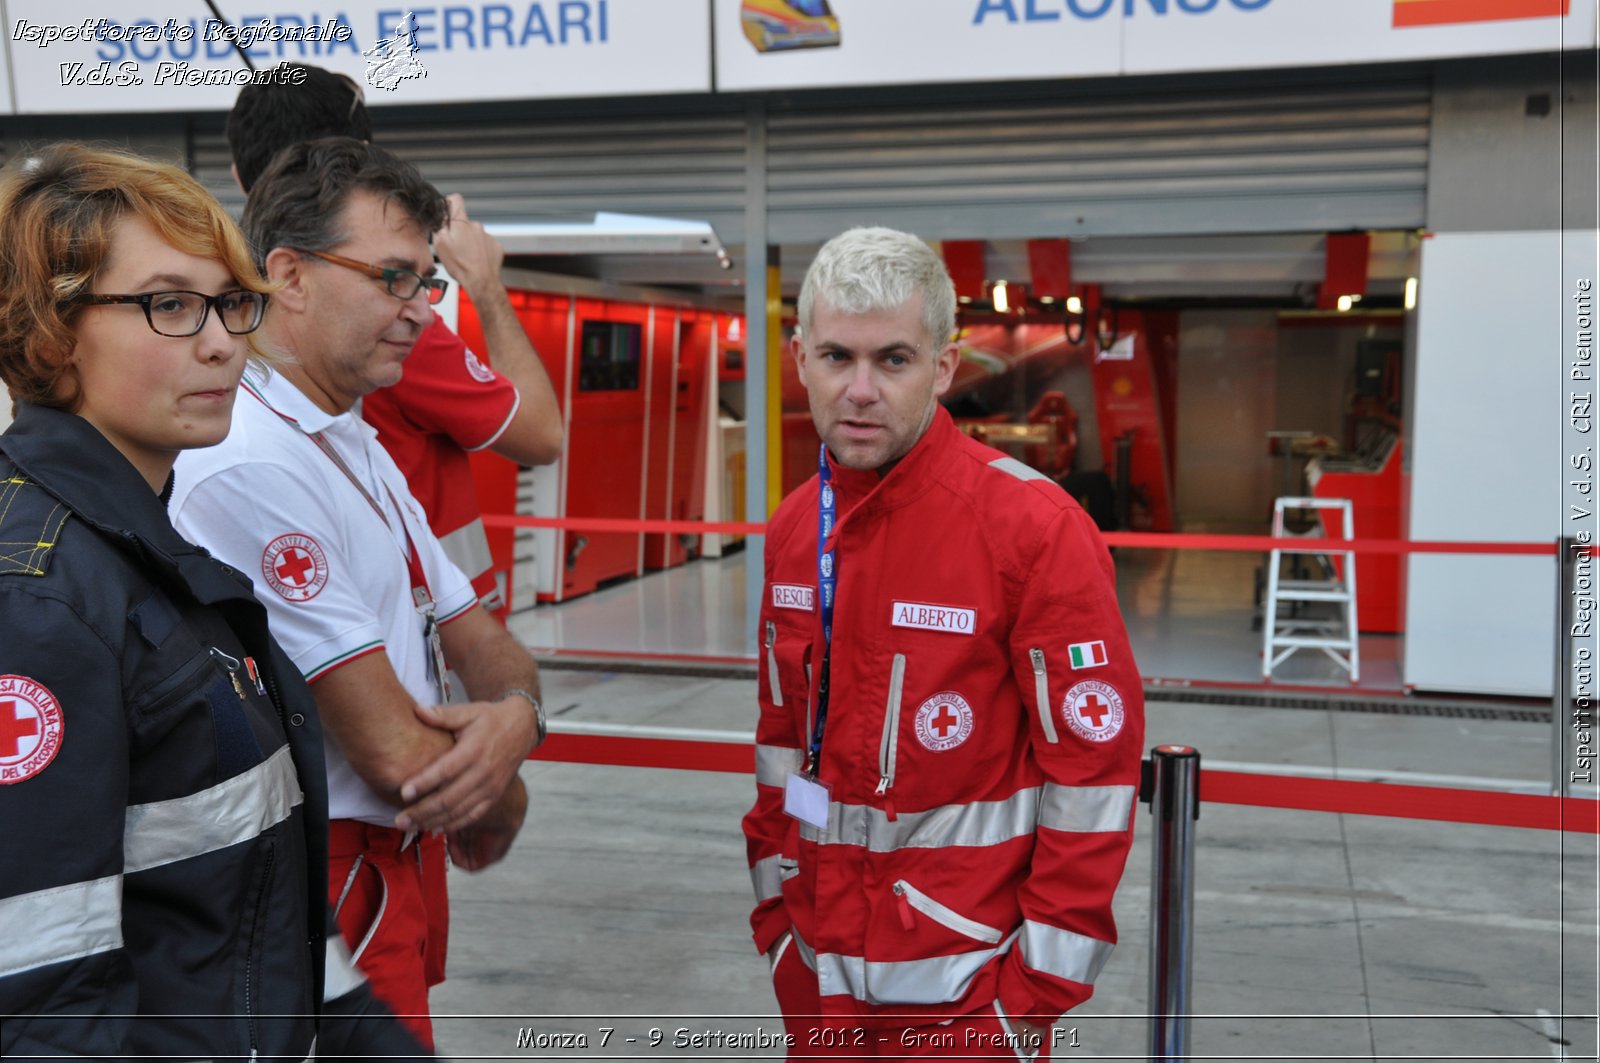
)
(295, 566)
(1093, 710)
(30, 728)
(944, 721)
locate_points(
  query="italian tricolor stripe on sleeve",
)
(1087, 654)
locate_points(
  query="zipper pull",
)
(232, 665)
(903, 904)
(1038, 661)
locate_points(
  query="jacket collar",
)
(864, 491)
(69, 458)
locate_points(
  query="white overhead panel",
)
(785, 44)
(611, 234)
(172, 55)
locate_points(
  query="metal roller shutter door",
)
(527, 163)
(1129, 159)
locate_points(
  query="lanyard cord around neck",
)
(827, 583)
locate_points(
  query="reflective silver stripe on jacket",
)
(976, 823)
(339, 974)
(61, 923)
(468, 547)
(935, 980)
(233, 811)
(767, 877)
(1086, 809)
(1017, 469)
(774, 763)
(1075, 957)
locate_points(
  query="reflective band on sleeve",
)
(1086, 809)
(233, 811)
(339, 974)
(468, 547)
(935, 980)
(774, 763)
(978, 823)
(60, 924)
(1017, 469)
(1075, 957)
(767, 877)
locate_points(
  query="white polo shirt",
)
(331, 572)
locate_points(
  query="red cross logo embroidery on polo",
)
(1093, 710)
(944, 721)
(30, 728)
(295, 567)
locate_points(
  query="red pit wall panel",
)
(1451, 12)
(604, 473)
(678, 429)
(1125, 395)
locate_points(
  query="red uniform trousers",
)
(390, 903)
(983, 1034)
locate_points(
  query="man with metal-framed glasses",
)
(359, 590)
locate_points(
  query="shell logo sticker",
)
(295, 567)
(30, 728)
(1093, 710)
(944, 721)
(480, 372)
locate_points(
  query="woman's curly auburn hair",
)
(58, 208)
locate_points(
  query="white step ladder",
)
(1338, 638)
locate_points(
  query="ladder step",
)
(1313, 596)
(1311, 641)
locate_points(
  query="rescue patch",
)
(944, 721)
(480, 372)
(1093, 710)
(934, 617)
(793, 596)
(30, 728)
(295, 566)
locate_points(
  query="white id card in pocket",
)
(807, 800)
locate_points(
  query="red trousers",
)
(983, 1034)
(390, 903)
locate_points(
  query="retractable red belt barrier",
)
(1151, 540)
(1439, 804)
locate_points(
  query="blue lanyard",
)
(827, 580)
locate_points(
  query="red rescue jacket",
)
(982, 742)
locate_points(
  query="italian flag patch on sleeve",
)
(1087, 654)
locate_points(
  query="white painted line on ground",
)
(1379, 908)
(1553, 1032)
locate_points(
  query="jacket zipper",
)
(772, 664)
(889, 745)
(910, 897)
(250, 954)
(1041, 694)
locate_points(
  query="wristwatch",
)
(538, 711)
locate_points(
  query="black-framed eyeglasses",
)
(182, 313)
(401, 283)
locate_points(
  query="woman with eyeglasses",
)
(163, 827)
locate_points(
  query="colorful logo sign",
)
(781, 25)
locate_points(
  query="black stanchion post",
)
(1171, 786)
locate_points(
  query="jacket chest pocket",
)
(785, 672)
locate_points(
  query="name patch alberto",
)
(934, 617)
(793, 596)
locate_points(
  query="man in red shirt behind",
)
(451, 400)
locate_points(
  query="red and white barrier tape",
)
(1150, 540)
(1433, 803)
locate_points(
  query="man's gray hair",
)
(867, 269)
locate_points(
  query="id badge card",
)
(807, 800)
